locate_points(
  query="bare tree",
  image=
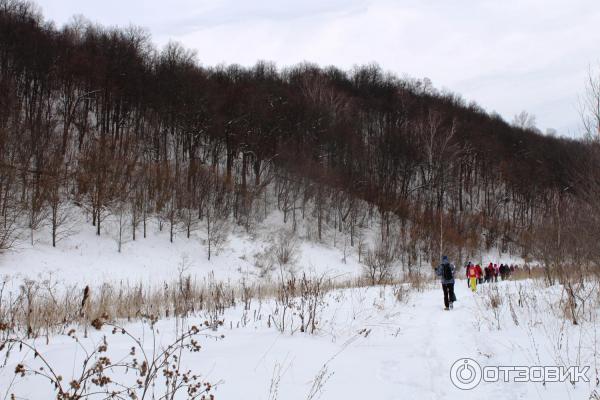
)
(379, 262)
(285, 248)
(33, 187)
(589, 105)
(120, 210)
(524, 120)
(60, 218)
(9, 222)
(138, 202)
(216, 212)
(217, 229)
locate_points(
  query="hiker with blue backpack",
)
(446, 273)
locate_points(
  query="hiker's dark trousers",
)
(448, 293)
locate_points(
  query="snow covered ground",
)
(368, 345)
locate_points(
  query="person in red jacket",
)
(479, 273)
(468, 268)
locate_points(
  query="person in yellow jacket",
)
(472, 276)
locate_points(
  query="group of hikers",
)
(475, 275)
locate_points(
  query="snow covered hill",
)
(86, 259)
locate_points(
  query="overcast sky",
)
(508, 55)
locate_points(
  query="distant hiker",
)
(446, 273)
(496, 272)
(473, 277)
(503, 269)
(479, 274)
(467, 269)
(488, 273)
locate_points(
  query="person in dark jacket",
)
(488, 273)
(446, 273)
(503, 271)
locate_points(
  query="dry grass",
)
(41, 308)
(528, 273)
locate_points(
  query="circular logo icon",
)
(465, 374)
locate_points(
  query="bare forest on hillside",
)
(99, 119)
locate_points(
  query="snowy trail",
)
(417, 364)
(407, 355)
